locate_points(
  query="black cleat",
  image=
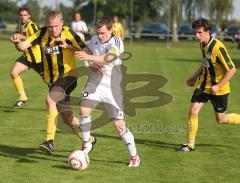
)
(20, 103)
(47, 146)
(185, 148)
(93, 141)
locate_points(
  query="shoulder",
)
(115, 40)
(219, 44)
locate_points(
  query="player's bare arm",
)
(227, 77)
(101, 59)
(23, 45)
(193, 78)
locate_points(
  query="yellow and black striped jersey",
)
(117, 29)
(57, 61)
(216, 62)
(33, 53)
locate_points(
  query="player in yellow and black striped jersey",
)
(117, 28)
(31, 58)
(57, 61)
(58, 45)
(214, 75)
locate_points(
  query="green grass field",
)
(158, 130)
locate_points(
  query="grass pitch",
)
(158, 128)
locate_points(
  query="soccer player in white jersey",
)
(79, 26)
(104, 51)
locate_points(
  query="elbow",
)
(234, 70)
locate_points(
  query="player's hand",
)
(15, 38)
(82, 55)
(215, 89)
(191, 81)
(60, 43)
(98, 69)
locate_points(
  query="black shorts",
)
(67, 83)
(219, 102)
(38, 67)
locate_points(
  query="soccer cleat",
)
(20, 103)
(88, 146)
(185, 148)
(47, 146)
(135, 161)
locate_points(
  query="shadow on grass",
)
(144, 141)
(157, 143)
(11, 109)
(27, 155)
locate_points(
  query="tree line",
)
(141, 11)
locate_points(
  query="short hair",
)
(202, 22)
(53, 14)
(104, 21)
(24, 9)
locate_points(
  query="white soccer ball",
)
(78, 160)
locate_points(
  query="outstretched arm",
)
(97, 59)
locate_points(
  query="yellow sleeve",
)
(75, 40)
(225, 59)
(32, 28)
(37, 36)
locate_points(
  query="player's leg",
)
(197, 102)
(86, 107)
(220, 106)
(20, 66)
(56, 94)
(64, 108)
(128, 139)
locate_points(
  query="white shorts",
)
(111, 98)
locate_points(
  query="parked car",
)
(185, 31)
(2, 26)
(155, 30)
(231, 32)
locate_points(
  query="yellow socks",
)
(233, 118)
(192, 130)
(51, 123)
(20, 89)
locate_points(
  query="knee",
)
(13, 74)
(120, 126)
(49, 101)
(84, 111)
(193, 111)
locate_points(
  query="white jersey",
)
(112, 71)
(79, 27)
(106, 88)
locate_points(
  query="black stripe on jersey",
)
(27, 24)
(31, 55)
(218, 60)
(204, 82)
(60, 62)
(49, 62)
(33, 27)
(42, 33)
(226, 59)
(212, 73)
(78, 39)
(68, 42)
(211, 68)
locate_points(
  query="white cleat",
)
(135, 161)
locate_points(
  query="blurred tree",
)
(219, 10)
(8, 11)
(174, 5)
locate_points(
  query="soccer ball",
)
(78, 160)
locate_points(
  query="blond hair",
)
(53, 14)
